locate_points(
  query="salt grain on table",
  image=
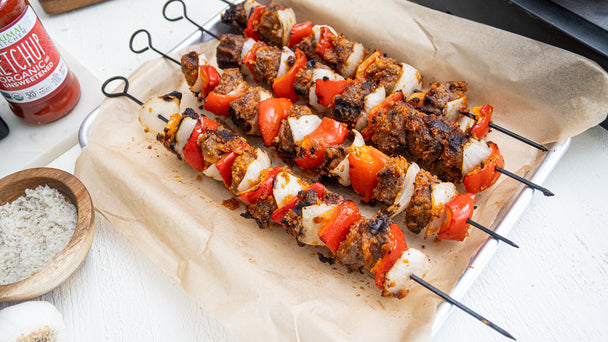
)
(34, 229)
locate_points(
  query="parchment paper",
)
(259, 283)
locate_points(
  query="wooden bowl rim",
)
(73, 255)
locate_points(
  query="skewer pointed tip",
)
(544, 190)
(461, 306)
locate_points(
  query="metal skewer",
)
(185, 15)
(414, 277)
(510, 133)
(460, 305)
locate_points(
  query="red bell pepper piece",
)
(330, 132)
(253, 22)
(299, 32)
(192, 153)
(334, 230)
(271, 112)
(219, 104)
(280, 213)
(483, 117)
(365, 163)
(484, 175)
(366, 63)
(458, 211)
(283, 86)
(250, 57)
(397, 96)
(210, 77)
(224, 165)
(324, 44)
(262, 190)
(389, 258)
(327, 90)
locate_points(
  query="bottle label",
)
(30, 65)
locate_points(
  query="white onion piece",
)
(317, 32)
(247, 46)
(159, 105)
(452, 109)
(411, 261)
(31, 321)
(465, 123)
(474, 152)
(371, 100)
(249, 5)
(213, 172)
(183, 134)
(342, 172)
(302, 126)
(197, 87)
(286, 186)
(252, 175)
(287, 18)
(311, 224)
(404, 196)
(441, 193)
(319, 73)
(358, 141)
(350, 65)
(409, 80)
(283, 65)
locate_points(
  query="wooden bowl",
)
(70, 259)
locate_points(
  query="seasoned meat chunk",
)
(240, 165)
(427, 139)
(228, 52)
(215, 144)
(270, 29)
(440, 94)
(261, 211)
(350, 103)
(236, 17)
(293, 218)
(384, 71)
(230, 80)
(366, 242)
(189, 64)
(244, 110)
(308, 46)
(284, 139)
(266, 64)
(390, 180)
(419, 211)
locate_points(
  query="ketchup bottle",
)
(34, 79)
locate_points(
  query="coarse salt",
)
(34, 229)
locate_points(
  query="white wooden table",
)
(553, 288)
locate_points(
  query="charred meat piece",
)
(308, 46)
(284, 140)
(244, 110)
(419, 211)
(230, 80)
(228, 52)
(385, 72)
(215, 144)
(189, 64)
(440, 94)
(390, 180)
(366, 242)
(428, 139)
(236, 17)
(269, 29)
(261, 211)
(266, 65)
(350, 103)
(293, 218)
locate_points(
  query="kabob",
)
(275, 25)
(310, 142)
(275, 195)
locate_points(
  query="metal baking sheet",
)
(506, 218)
